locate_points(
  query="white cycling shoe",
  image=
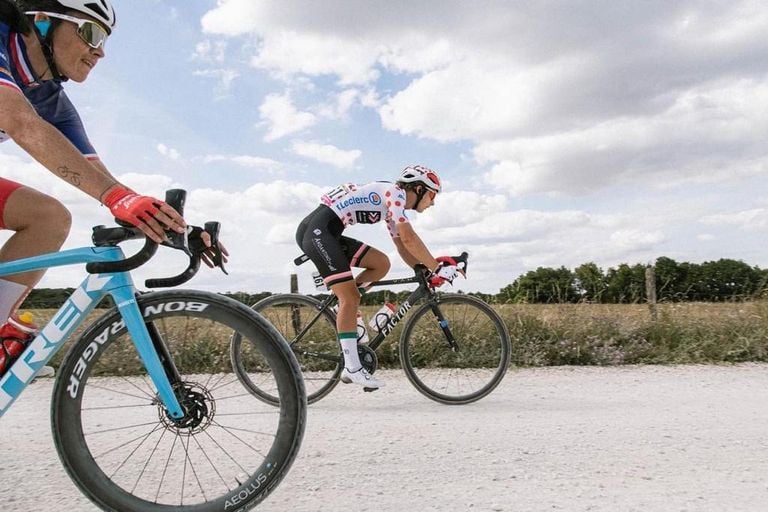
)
(361, 377)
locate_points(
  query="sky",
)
(565, 132)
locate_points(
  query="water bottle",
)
(382, 316)
(14, 336)
(362, 333)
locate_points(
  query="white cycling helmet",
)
(420, 175)
(101, 10)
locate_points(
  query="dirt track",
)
(686, 438)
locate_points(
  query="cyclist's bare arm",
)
(43, 142)
(99, 165)
(411, 248)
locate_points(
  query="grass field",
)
(603, 334)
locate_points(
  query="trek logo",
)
(49, 340)
(93, 348)
(372, 198)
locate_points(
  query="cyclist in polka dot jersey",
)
(320, 237)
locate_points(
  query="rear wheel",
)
(310, 334)
(229, 451)
(464, 373)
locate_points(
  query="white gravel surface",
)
(682, 438)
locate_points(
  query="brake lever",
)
(176, 199)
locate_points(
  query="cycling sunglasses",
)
(93, 34)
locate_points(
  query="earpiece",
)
(43, 26)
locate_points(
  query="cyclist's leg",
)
(361, 255)
(41, 224)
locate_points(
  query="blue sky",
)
(565, 132)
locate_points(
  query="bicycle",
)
(164, 427)
(463, 342)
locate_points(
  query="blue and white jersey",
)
(368, 204)
(48, 97)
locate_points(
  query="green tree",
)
(590, 282)
(625, 284)
(546, 285)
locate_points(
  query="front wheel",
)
(465, 371)
(229, 451)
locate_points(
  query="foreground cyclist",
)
(320, 237)
(44, 43)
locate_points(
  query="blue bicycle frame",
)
(82, 301)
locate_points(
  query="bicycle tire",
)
(483, 356)
(117, 461)
(289, 313)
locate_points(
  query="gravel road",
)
(677, 438)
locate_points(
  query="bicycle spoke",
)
(149, 459)
(213, 466)
(165, 469)
(130, 454)
(115, 429)
(108, 407)
(226, 452)
(191, 467)
(146, 395)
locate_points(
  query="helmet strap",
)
(420, 194)
(44, 33)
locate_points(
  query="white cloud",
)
(287, 53)
(633, 239)
(225, 78)
(341, 105)
(256, 162)
(168, 152)
(748, 220)
(210, 51)
(709, 134)
(327, 154)
(282, 117)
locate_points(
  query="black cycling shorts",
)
(319, 236)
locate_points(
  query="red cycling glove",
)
(445, 271)
(128, 206)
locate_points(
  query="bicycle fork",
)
(150, 350)
(443, 323)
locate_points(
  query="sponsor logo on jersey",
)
(373, 198)
(368, 217)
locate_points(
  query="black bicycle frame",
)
(423, 291)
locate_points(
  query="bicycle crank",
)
(368, 358)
